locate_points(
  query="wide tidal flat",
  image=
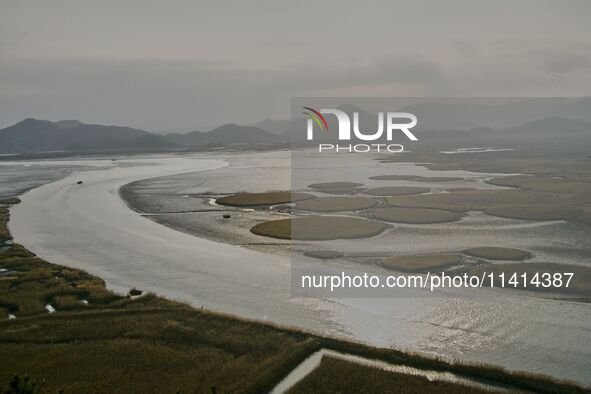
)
(380, 211)
(89, 227)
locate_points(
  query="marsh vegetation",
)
(267, 198)
(100, 341)
(337, 187)
(416, 215)
(319, 228)
(336, 204)
(10, 200)
(397, 190)
(497, 253)
(415, 178)
(339, 376)
(422, 263)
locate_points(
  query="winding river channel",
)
(89, 226)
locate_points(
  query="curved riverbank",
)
(87, 226)
(85, 343)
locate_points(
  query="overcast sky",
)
(186, 65)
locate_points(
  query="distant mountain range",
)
(226, 134)
(548, 133)
(32, 135)
(464, 116)
(527, 121)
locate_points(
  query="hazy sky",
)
(185, 65)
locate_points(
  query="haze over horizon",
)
(148, 65)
